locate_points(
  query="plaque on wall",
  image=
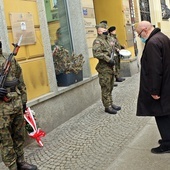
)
(22, 24)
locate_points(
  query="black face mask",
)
(105, 33)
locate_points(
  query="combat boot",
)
(116, 107)
(110, 110)
(120, 79)
(26, 166)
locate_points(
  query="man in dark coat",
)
(154, 92)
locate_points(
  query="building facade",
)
(70, 24)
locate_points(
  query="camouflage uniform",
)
(102, 48)
(117, 56)
(11, 117)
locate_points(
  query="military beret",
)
(112, 29)
(104, 21)
(101, 25)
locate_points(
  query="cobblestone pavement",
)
(93, 139)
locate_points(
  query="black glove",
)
(3, 92)
(24, 107)
(111, 63)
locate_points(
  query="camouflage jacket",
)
(118, 46)
(102, 49)
(17, 94)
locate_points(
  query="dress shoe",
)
(161, 149)
(110, 110)
(26, 166)
(115, 85)
(119, 79)
(116, 107)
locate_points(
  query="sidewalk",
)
(95, 140)
(137, 155)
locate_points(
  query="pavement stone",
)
(137, 155)
(93, 139)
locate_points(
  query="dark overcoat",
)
(155, 76)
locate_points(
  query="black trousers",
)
(163, 124)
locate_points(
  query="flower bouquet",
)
(31, 127)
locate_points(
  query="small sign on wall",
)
(22, 24)
(88, 12)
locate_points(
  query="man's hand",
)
(156, 97)
(3, 92)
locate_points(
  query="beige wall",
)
(91, 33)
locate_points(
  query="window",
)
(54, 4)
(68, 66)
(165, 10)
(144, 10)
(58, 24)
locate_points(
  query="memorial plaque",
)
(22, 24)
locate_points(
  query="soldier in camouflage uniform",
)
(118, 47)
(11, 118)
(103, 46)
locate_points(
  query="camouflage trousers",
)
(106, 82)
(117, 66)
(12, 139)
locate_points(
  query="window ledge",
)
(60, 91)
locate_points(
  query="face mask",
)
(143, 39)
(105, 33)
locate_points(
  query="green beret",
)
(101, 25)
(104, 21)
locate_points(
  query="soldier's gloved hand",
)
(3, 92)
(111, 62)
(24, 107)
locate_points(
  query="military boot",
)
(26, 166)
(116, 107)
(119, 79)
(110, 110)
